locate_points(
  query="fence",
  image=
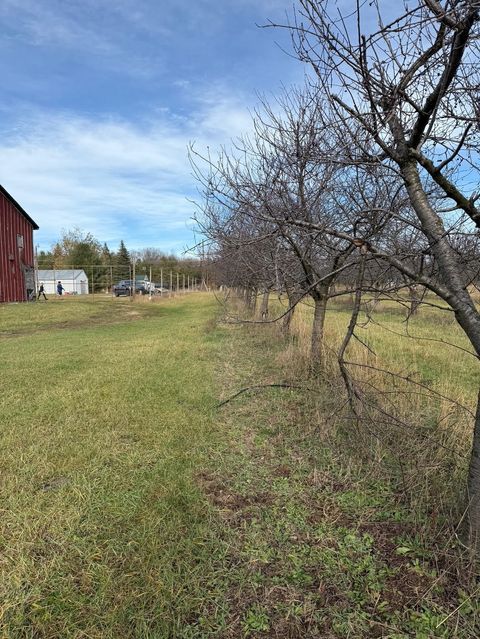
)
(100, 279)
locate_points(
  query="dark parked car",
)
(125, 287)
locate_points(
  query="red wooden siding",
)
(13, 258)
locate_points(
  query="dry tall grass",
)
(416, 389)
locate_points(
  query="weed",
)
(256, 619)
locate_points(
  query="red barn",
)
(17, 274)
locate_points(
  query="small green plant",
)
(256, 619)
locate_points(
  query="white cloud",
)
(99, 32)
(46, 25)
(112, 177)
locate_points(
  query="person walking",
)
(41, 291)
(60, 288)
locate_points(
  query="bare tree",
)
(279, 174)
(404, 93)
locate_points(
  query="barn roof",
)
(18, 207)
(61, 274)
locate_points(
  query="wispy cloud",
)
(43, 24)
(101, 98)
(111, 177)
(99, 33)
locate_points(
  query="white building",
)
(74, 281)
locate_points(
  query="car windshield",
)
(130, 283)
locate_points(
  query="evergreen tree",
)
(107, 259)
(107, 256)
(122, 262)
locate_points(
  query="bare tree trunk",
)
(293, 300)
(472, 530)
(450, 269)
(414, 300)
(248, 298)
(316, 353)
(264, 306)
(466, 315)
(251, 299)
(287, 320)
(351, 391)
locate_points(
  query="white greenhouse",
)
(74, 281)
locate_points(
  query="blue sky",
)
(100, 99)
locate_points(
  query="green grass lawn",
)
(131, 506)
(105, 419)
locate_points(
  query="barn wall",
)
(13, 259)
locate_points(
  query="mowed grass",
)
(132, 507)
(105, 420)
(66, 312)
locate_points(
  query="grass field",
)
(105, 418)
(348, 534)
(133, 507)
(435, 393)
